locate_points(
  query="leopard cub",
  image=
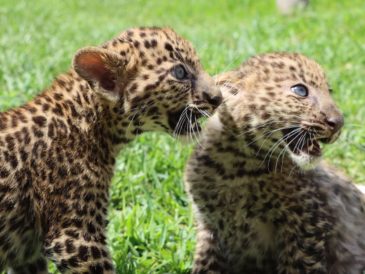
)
(263, 201)
(57, 152)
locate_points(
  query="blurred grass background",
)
(151, 228)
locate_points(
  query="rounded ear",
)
(102, 68)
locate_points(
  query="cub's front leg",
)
(76, 239)
(208, 258)
(79, 251)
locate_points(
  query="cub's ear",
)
(105, 70)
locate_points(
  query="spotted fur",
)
(258, 209)
(58, 151)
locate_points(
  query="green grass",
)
(151, 228)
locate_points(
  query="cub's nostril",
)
(335, 122)
(215, 100)
(206, 96)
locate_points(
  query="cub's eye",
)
(300, 90)
(179, 72)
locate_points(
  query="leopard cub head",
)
(282, 103)
(155, 76)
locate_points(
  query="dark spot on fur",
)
(147, 44)
(168, 47)
(153, 43)
(40, 120)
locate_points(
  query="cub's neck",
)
(68, 110)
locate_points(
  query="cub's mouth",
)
(301, 141)
(184, 121)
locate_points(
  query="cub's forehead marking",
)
(159, 41)
(275, 67)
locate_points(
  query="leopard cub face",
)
(284, 105)
(155, 75)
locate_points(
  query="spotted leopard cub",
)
(259, 207)
(57, 152)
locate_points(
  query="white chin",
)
(304, 160)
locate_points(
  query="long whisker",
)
(301, 139)
(285, 137)
(189, 128)
(276, 144)
(191, 124)
(283, 150)
(267, 135)
(179, 122)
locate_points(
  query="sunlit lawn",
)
(151, 228)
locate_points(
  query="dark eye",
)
(179, 72)
(300, 90)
